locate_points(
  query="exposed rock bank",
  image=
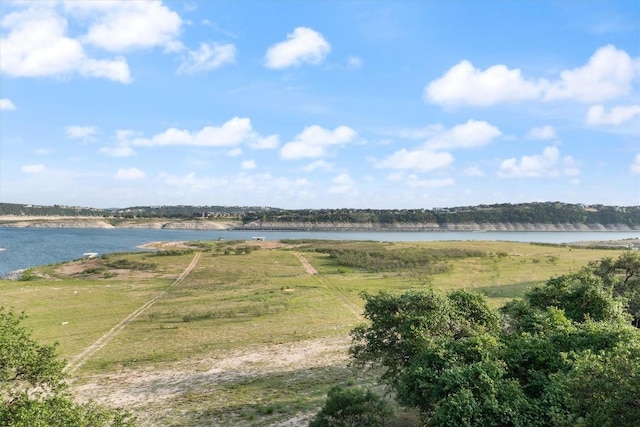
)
(469, 226)
(204, 224)
(49, 222)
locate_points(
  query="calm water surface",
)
(28, 247)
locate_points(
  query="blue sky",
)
(319, 104)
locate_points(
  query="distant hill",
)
(552, 213)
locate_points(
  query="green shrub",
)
(350, 407)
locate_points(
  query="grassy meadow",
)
(257, 332)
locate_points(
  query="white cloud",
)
(33, 168)
(318, 164)
(118, 151)
(120, 26)
(208, 57)
(6, 105)
(315, 140)
(304, 45)
(635, 166)
(340, 184)
(80, 132)
(231, 134)
(248, 164)
(463, 84)
(37, 46)
(616, 116)
(542, 133)
(235, 152)
(472, 134)
(546, 164)
(608, 74)
(421, 160)
(130, 174)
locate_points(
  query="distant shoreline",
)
(13, 221)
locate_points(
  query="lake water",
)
(28, 247)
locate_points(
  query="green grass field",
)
(248, 337)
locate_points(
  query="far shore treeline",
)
(534, 213)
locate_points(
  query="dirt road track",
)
(81, 358)
(338, 293)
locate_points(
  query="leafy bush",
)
(127, 264)
(351, 407)
(33, 388)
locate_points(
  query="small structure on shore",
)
(89, 255)
(259, 239)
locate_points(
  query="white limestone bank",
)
(49, 222)
(467, 226)
(92, 222)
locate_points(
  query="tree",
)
(402, 326)
(33, 391)
(622, 278)
(462, 363)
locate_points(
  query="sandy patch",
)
(151, 389)
(166, 246)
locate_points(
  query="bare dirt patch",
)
(166, 246)
(77, 267)
(149, 390)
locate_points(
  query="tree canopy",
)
(566, 354)
(33, 390)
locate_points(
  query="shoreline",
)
(12, 221)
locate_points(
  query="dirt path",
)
(81, 358)
(342, 296)
(305, 263)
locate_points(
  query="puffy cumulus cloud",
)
(80, 132)
(608, 74)
(6, 105)
(248, 164)
(429, 156)
(547, 164)
(33, 169)
(463, 84)
(304, 45)
(130, 174)
(472, 134)
(120, 26)
(37, 45)
(616, 116)
(542, 133)
(232, 133)
(341, 184)
(208, 57)
(635, 166)
(314, 141)
(420, 160)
